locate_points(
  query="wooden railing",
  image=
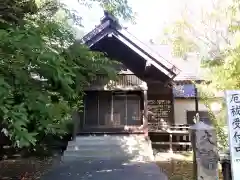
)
(178, 137)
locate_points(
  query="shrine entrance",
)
(107, 111)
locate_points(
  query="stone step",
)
(109, 138)
(102, 142)
(102, 147)
(89, 138)
(82, 158)
(123, 141)
(106, 142)
(110, 150)
(143, 146)
(92, 158)
(100, 154)
(106, 154)
(108, 147)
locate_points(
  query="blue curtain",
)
(186, 90)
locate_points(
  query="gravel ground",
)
(177, 166)
(26, 168)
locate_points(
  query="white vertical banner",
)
(233, 110)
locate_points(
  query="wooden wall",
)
(160, 106)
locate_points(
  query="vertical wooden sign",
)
(233, 110)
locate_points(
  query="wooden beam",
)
(173, 143)
(175, 132)
(114, 88)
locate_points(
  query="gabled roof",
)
(110, 28)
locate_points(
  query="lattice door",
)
(160, 114)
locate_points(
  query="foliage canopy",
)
(214, 36)
(43, 69)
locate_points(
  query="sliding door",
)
(105, 109)
(126, 109)
(119, 110)
(133, 110)
(91, 109)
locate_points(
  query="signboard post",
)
(233, 110)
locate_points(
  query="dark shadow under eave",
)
(119, 51)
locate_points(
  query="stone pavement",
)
(106, 170)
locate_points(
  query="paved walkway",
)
(106, 170)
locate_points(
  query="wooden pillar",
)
(98, 113)
(145, 116)
(170, 143)
(145, 113)
(196, 99)
(126, 111)
(76, 123)
(112, 110)
(172, 107)
(204, 143)
(145, 109)
(173, 120)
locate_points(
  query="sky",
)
(152, 15)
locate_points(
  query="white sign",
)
(233, 110)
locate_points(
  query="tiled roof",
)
(190, 68)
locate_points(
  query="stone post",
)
(205, 154)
